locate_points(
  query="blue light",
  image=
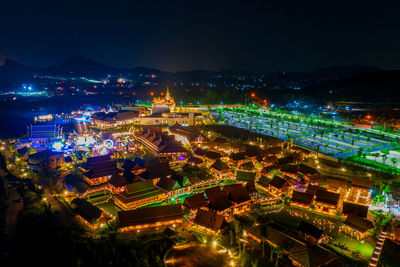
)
(57, 146)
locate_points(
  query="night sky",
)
(258, 36)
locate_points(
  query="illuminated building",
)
(276, 187)
(195, 202)
(44, 118)
(234, 199)
(220, 169)
(327, 202)
(209, 220)
(87, 213)
(360, 192)
(239, 197)
(357, 226)
(151, 217)
(100, 169)
(139, 194)
(161, 143)
(42, 136)
(163, 103)
(148, 192)
(108, 120)
(186, 135)
(312, 233)
(300, 199)
(195, 161)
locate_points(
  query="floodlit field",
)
(333, 138)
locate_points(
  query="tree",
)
(394, 162)
(384, 158)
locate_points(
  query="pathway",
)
(378, 249)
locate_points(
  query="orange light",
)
(253, 94)
(151, 93)
(368, 117)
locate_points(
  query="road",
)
(63, 216)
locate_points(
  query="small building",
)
(360, 210)
(300, 199)
(267, 169)
(273, 150)
(290, 168)
(88, 213)
(327, 202)
(278, 186)
(263, 182)
(251, 188)
(212, 156)
(307, 170)
(117, 183)
(312, 189)
(195, 161)
(221, 205)
(356, 226)
(151, 217)
(245, 176)
(336, 186)
(362, 183)
(270, 160)
(156, 171)
(76, 184)
(46, 160)
(100, 169)
(139, 194)
(187, 135)
(312, 234)
(213, 192)
(137, 164)
(160, 142)
(195, 202)
(237, 158)
(247, 166)
(220, 169)
(210, 220)
(239, 197)
(360, 192)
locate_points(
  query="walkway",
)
(378, 249)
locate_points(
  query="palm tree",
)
(394, 161)
(384, 158)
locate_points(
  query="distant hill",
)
(354, 82)
(337, 72)
(79, 65)
(374, 87)
(12, 71)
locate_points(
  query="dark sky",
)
(171, 35)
